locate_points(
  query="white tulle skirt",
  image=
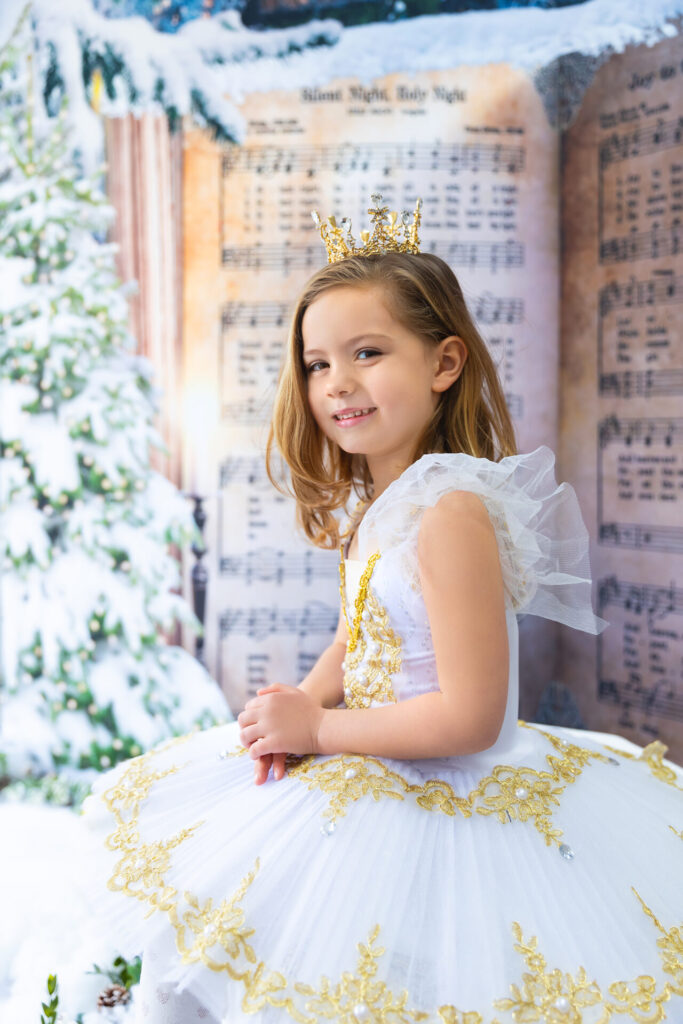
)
(365, 889)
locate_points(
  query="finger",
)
(247, 717)
(260, 748)
(261, 769)
(250, 734)
(253, 703)
(279, 765)
(255, 751)
(273, 688)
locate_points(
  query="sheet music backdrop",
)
(476, 144)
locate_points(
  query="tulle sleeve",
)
(542, 538)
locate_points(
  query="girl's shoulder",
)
(542, 539)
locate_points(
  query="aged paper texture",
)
(621, 388)
(475, 144)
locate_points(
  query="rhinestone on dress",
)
(521, 793)
(361, 1012)
(224, 754)
(613, 760)
(562, 1004)
(566, 852)
(328, 828)
(350, 773)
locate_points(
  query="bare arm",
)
(463, 591)
(324, 683)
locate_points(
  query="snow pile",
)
(46, 859)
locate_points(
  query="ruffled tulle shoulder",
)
(542, 538)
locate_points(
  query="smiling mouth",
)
(352, 414)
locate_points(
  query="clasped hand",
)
(280, 720)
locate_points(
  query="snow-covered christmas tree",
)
(86, 577)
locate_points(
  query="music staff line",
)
(661, 289)
(654, 599)
(268, 565)
(667, 539)
(315, 617)
(645, 383)
(651, 244)
(243, 469)
(346, 158)
(659, 699)
(661, 429)
(486, 308)
(490, 255)
(641, 141)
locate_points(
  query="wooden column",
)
(145, 187)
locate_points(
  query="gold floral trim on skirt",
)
(511, 793)
(218, 937)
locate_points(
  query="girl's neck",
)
(383, 474)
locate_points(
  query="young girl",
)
(386, 842)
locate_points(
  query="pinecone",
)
(115, 995)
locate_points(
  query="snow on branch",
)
(145, 70)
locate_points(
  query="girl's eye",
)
(317, 365)
(368, 353)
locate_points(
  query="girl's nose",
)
(339, 383)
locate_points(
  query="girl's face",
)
(372, 384)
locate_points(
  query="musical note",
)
(662, 429)
(491, 309)
(243, 469)
(655, 599)
(648, 383)
(637, 535)
(347, 158)
(661, 289)
(640, 245)
(644, 641)
(641, 142)
(255, 314)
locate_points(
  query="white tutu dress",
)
(538, 880)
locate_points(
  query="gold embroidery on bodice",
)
(373, 653)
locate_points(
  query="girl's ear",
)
(451, 356)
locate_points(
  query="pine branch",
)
(185, 73)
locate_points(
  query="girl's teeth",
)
(352, 415)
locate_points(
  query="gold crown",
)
(389, 235)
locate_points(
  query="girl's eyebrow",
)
(349, 341)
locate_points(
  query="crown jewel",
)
(389, 233)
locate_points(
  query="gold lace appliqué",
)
(557, 997)
(373, 652)
(142, 866)
(653, 756)
(218, 937)
(510, 793)
(376, 657)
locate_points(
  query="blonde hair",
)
(471, 416)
